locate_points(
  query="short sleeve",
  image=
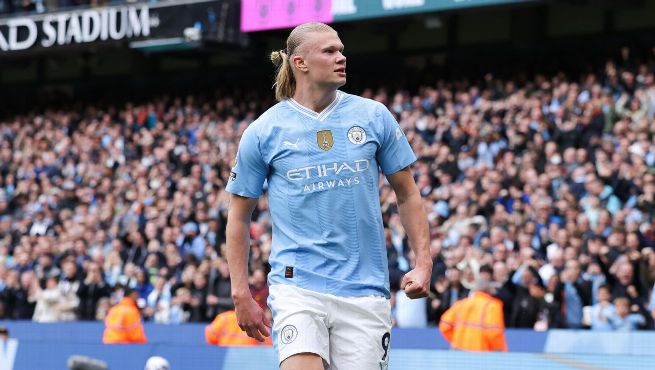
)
(394, 152)
(249, 171)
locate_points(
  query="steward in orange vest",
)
(123, 321)
(225, 331)
(475, 323)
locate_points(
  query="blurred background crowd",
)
(544, 185)
(41, 6)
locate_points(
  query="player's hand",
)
(252, 320)
(416, 283)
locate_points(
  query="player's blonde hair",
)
(285, 82)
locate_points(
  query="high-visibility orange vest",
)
(123, 324)
(475, 324)
(225, 331)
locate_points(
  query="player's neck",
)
(314, 98)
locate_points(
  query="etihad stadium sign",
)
(85, 26)
(165, 19)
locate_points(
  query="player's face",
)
(324, 59)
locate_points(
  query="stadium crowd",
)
(546, 188)
(41, 6)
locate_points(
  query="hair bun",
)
(276, 58)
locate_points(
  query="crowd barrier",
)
(48, 346)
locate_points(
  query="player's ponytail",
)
(285, 82)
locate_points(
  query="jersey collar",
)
(310, 113)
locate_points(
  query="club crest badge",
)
(288, 334)
(325, 140)
(357, 135)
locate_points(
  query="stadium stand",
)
(546, 185)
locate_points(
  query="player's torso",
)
(333, 151)
(324, 198)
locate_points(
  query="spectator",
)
(104, 304)
(4, 333)
(6, 6)
(219, 298)
(529, 299)
(502, 287)
(68, 286)
(449, 290)
(45, 267)
(25, 6)
(259, 287)
(198, 298)
(626, 285)
(603, 311)
(158, 301)
(48, 301)
(143, 285)
(625, 318)
(576, 293)
(136, 251)
(20, 295)
(190, 241)
(10, 294)
(113, 267)
(180, 306)
(91, 291)
(555, 264)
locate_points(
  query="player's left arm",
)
(416, 282)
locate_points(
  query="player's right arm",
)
(250, 316)
(246, 186)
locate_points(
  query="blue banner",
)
(48, 346)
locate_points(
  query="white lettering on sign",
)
(89, 25)
(343, 7)
(399, 4)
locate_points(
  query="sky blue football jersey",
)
(322, 172)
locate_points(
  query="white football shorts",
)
(348, 333)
